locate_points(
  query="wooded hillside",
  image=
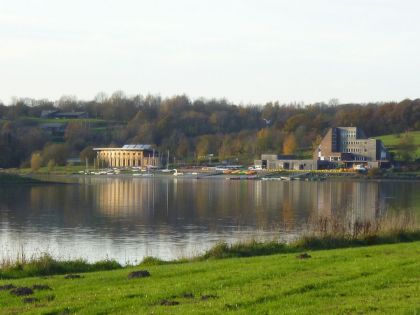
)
(189, 129)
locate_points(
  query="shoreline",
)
(31, 177)
(44, 264)
(350, 280)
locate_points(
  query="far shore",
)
(37, 177)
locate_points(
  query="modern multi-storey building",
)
(349, 145)
(346, 146)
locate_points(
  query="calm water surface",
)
(129, 218)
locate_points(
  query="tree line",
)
(189, 129)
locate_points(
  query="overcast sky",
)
(246, 51)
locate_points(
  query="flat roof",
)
(128, 147)
(120, 149)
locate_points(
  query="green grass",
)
(13, 179)
(46, 265)
(370, 280)
(58, 170)
(65, 120)
(391, 141)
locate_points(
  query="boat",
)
(243, 178)
(271, 178)
(167, 170)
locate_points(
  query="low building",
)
(49, 113)
(286, 162)
(130, 155)
(63, 115)
(350, 146)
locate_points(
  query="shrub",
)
(36, 161)
(152, 261)
(51, 165)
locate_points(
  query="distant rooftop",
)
(128, 147)
(137, 146)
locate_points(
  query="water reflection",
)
(127, 218)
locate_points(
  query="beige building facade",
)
(130, 155)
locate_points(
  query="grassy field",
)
(65, 120)
(391, 141)
(57, 170)
(13, 179)
(381, 279)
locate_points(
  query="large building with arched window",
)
(130, 155)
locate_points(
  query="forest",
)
(189, 129)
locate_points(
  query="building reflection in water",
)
(138, 216)
(256, 203)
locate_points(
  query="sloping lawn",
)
(391, 141)
(379, 280)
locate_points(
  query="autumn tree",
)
(51, 165)
(183, 147)
(290, 144)
(203, 146)
(263, 139)
(55, 151)
(87, 154)
(36, 161)
(77, 135)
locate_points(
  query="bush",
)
(36, 161)
(247, 249)
(57, 152)
(51, 165)
(152, 261)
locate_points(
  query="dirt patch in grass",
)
(41, 287)
(65, 311)
(22, 291)
(188, 295)
(303, 256)
(72, 276)
(165, 302)
(231, 307)
(7, 287)
(138, 274)
(208, 297)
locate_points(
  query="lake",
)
(127, 218)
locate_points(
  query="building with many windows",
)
(341, 146)
(349, 145)
(130, 155)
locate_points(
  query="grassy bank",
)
(321, 233)
(57, 170)
(14, 179)
(46, 265)
(379, 279)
